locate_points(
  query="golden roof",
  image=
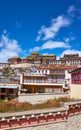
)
(49, 55)
(29, 57)
(35, 53)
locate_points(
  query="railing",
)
(58, 73)
(43, 83)
(32, 120)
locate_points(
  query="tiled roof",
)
(55, 66)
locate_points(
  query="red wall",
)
(76, 78)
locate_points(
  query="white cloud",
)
(54, 44)
(8, 48)
(71, 52)
(51, 45)
(34, 49)
(38, 38)
(74, 12)
(68, 39)
(46, 33)
(71, 9)
(4, 31)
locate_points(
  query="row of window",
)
(76, 81)
(74, 62)
(43, 81)
(57, 71)
(34, 81)
(43, 71)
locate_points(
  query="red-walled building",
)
(76, 76)
(75, 87)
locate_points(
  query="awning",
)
(10, 87)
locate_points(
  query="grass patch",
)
(19, 106)
(1, 101)
(53, 103)
(14, 106)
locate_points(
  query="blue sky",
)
(46, 26)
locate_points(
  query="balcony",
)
(43, 84)
(57, 73)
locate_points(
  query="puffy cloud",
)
(46, 33)
(51, 45)
(8, 48)
(54, 44)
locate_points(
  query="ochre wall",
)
(75, 91)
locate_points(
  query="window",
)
(11, 91)
(48, 90)
(46, 71)
(28, 80)
(42, 71)
(57, 90)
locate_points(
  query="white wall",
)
(21, 78)
(67, 75)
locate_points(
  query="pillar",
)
(32, 89)
(44, 89)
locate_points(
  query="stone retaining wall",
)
(39, 98)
